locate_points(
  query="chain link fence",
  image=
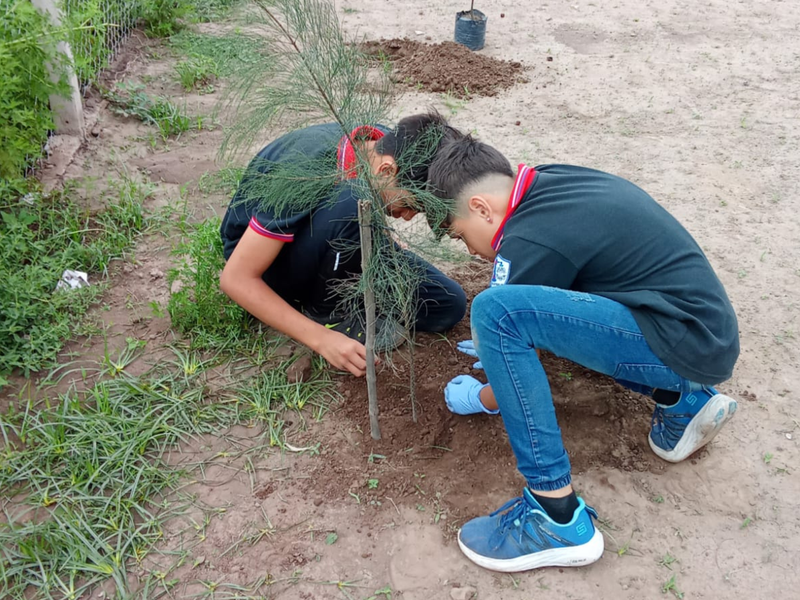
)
(96, 30)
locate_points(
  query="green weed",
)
(196, 70)
(227, 51)
(42, 236)
(130, 100)
(94, 486)
(671, 585)
(205, 11)
(27, 43)
(265, 399)
(162, 18)
(197, 306)
(225, 181)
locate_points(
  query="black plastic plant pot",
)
(471, 28)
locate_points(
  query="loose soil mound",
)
(445, 67)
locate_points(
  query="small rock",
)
(518, 123)
(318, 502)
(300, 370)
(127, 268)
(156, 273)
(464, 593)
(452, 360)
(96, 131)
(788, 436)
(284, 351)
(176, 286)
(366, 555)
(549, 59)
(466, 369)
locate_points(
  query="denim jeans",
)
(510, 322)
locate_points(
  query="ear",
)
(388, 166)
(480, 207)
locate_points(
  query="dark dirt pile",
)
(445, 67)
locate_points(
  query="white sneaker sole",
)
(573, 556)
(701, 429)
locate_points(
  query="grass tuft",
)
(95, 488)
(130, 100)
(196, 71)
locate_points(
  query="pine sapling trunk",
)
(365, 226)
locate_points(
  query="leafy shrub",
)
(197, 306)
(27, 42)
(162, 17)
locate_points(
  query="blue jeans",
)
(510, 322)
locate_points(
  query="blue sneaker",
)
(520, 536)
(679, 431)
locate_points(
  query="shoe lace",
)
(517, 512)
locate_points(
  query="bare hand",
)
(344, 353)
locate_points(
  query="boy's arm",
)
(241, 281)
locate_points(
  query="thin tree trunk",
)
(365, 226)
(412, 390)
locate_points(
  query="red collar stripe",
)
(346, 154)
(523, 182)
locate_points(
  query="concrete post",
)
(67, 110)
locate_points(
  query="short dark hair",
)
(457, 164)
(414, 143)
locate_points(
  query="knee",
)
(485, 312)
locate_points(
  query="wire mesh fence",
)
(96, 30)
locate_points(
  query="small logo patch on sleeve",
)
(502, 269)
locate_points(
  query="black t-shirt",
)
(585, 230)
(324, 233)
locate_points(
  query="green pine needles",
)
(316, 74)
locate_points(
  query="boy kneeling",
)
(589, 267)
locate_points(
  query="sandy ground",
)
(698, 103)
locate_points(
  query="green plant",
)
(229, 52)
(196, 70)
(27, 44)
(130, 100)
(162, 17)
(211, 10)
(90, 27)
(90, 484)
(43, 235)
(671, 585)
(225, 181)
(372, 484)
(197, 306)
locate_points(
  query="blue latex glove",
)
(468, 348)
(462, 396)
